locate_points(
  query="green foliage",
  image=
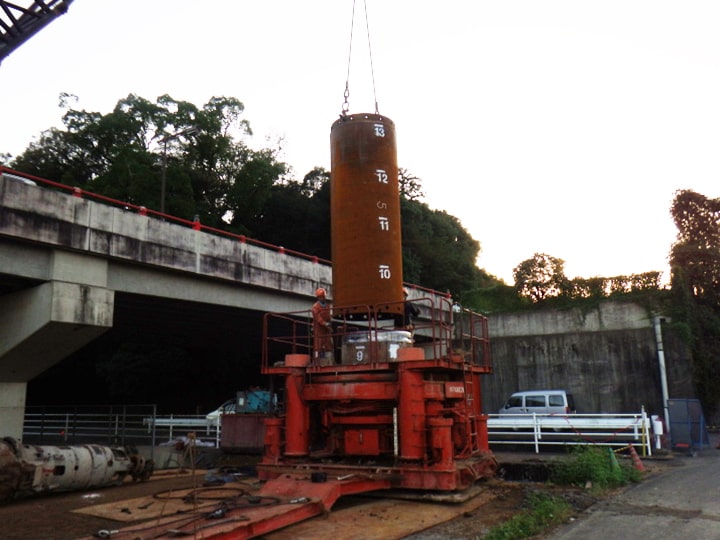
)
(53, 156)
(250, 189)
(540, 277)
(593, 464)
(129, 153)
(705, 325)
(606, 287)
(306, 207)
(494, 298)
(410, 185)
(542, 513)
(541, 283)
(439, 251)
(695, 267)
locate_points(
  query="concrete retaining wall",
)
(606, 357)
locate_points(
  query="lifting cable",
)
(346, 104)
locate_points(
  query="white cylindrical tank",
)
(27, 469)
(75, 467)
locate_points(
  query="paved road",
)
(681, 503)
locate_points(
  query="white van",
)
(539, 402)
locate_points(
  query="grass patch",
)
(593, 464)
(544, 511)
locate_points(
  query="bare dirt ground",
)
(513, 499)
(55, 517)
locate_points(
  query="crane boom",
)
(18, 23)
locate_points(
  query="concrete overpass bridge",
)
(71, 268)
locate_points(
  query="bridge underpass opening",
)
(186, 357)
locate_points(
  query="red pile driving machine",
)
(392, 391)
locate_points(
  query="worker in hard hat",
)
(322, 326)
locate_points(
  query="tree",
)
(438, 251)
(250, 186)
(695, 276)
(54, 157)
(540, 277)
(297, 215)
(410, 185)
(697, 248)
(605, 287)
(314, 181)
(199, 154)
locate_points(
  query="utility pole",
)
(657, 321)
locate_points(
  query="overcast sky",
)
(544, 126)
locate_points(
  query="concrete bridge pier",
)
(43, 325)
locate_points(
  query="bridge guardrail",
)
(194, 224)
(553, 429)
(144, 211)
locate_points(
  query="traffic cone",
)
(614, 465)
(636, 459)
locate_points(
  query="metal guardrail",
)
(112, 425)
(83, 424)
(196, 423)
(137, 425)
(572, 429)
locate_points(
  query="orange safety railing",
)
(440, 331)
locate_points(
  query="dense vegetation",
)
(202, 159)
(695, 267)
